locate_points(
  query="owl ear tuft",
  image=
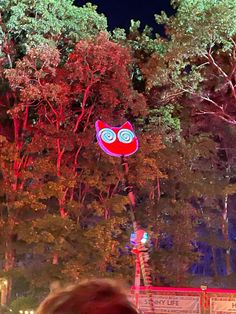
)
(101, 125)
(127, 125)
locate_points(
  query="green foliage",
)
(199, 25)
(31, 23)
(119, 35)
(25, 303)
(168, 121)
(201, 38)
(143, 41)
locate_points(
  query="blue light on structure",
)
(133, 238)
(145, 238)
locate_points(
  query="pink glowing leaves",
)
(116, 141)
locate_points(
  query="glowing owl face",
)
(116, 141)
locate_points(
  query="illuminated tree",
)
(198, 62)
(56, 106)
(62, 199)
(51, 26)
(26, 24)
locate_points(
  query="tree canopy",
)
(63, 202)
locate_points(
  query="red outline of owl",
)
(116, 141)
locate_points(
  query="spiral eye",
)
(125, 136)
(107, 135)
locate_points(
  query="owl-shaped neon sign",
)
(116, 141)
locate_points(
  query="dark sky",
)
(120, 12)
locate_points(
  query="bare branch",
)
(225, 118)
(225, 75)
(212, 102)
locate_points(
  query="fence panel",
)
(186, 300)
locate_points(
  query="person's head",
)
(90, 297)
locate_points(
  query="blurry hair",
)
(97, 296)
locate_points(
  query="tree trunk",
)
(9, 264)
(214, 261)
(225, 232)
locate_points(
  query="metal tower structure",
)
(141, 252)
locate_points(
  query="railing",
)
(187, 300)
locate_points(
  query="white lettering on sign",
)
(171, 304)
(219, 305)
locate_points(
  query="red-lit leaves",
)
(56, 105)
(98, 73)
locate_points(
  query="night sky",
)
(120, 12)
